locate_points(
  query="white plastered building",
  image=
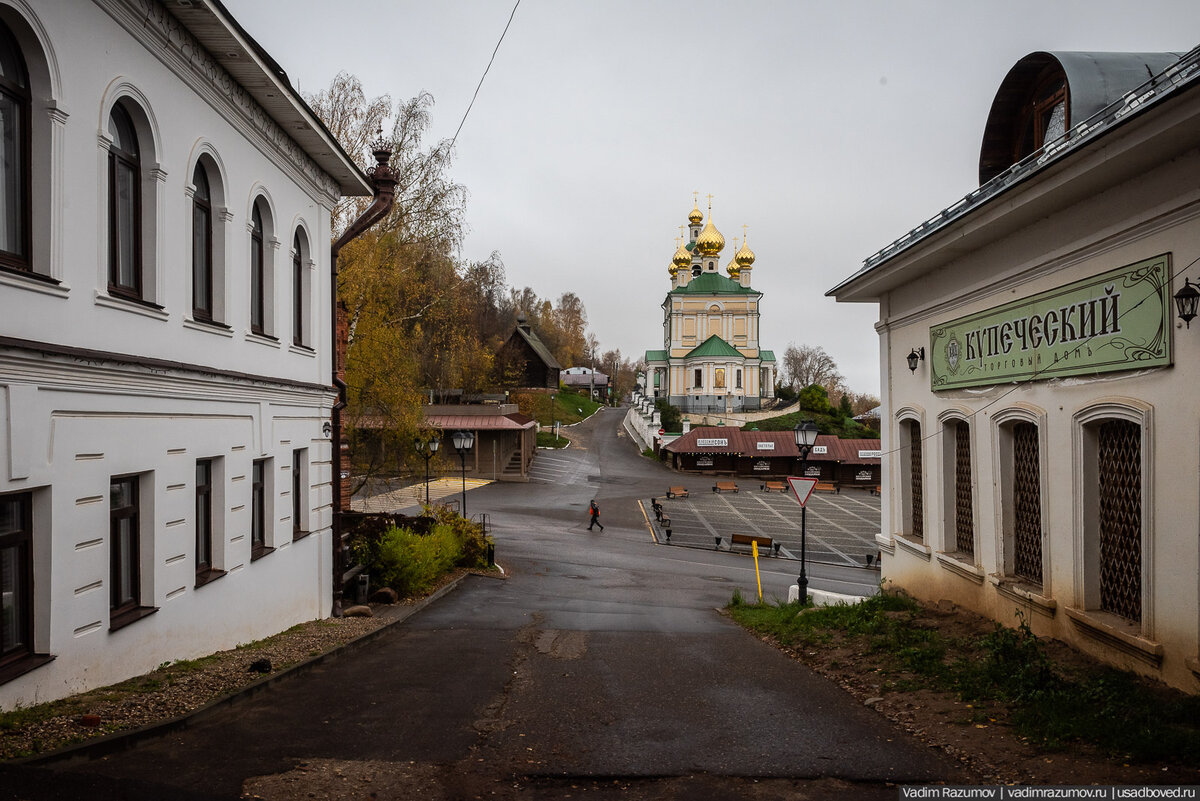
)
(1040, 420)
(165, 343)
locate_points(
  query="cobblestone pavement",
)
(841, 527)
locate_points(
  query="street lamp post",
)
(463, 442)
(806, 436)
(427, 448)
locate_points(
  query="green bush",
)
(411, 563)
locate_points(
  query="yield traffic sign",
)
(802, 488)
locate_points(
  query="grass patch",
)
(546, 439)
(1120, 713)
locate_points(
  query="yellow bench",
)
(725, 486)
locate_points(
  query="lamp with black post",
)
(463, 442)
(805, 433)
(427, 448)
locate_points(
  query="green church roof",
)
(766, 355)
(713, 284)
(657, 356)
(714, 346)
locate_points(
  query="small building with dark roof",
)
(1039, 454)
(525, 360)
(772, 454)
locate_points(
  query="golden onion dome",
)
(695, 217)
(745, 256)
(682, 258)
(710, 242)
(733, 268)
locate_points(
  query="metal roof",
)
(740, 442)
(1183, 74)
(266, 82)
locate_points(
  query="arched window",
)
(124, 206)
(257, 278)
(14, 154)
(298, 290)
(202, 246)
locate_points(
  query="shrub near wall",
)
(411, 563)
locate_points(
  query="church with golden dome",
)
(711, 361)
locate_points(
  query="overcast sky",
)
(830, 129)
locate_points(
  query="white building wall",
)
(1151, 214)
(121, 388)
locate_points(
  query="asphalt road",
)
(599, 667)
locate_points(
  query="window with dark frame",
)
(1119, 495)
(15, 159)
(204, 516)
(1046, 115)
(1026, 503)
(124, 546)
(202, 239)
(964, 512)
(916, 495)
(299, 497)
(124, 207)
(16, 577)
(257, 280)
(699, 378)
(297, 291)
(258, 509)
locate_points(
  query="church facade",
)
(710, 362)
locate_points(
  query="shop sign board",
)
(1118, 320)
(704, 461)
(870, 454)
(712, 443)
(766, 446)
(820, 449)
(762, 465)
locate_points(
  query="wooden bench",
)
(751, 540)
(826, 486)
(725, 486)
(677, 492)
(770, 486)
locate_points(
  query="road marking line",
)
(653, 538)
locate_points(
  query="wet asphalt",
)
(599, 663)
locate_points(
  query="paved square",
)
(841, 527)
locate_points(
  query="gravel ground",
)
(182, 687)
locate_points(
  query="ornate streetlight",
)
(463, 442)
(427, 448)
(806, 436)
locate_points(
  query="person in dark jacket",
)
(595, 511)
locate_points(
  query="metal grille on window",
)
(1027, 503)
(1120, 492)
(964, 527)
(916, 493)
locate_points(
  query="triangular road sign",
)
(802, 487)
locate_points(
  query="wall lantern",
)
(916, 356)
(1186, 300)
(327, 429)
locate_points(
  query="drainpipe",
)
(384, 181)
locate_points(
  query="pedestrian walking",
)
(595, 511)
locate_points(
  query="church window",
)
(738, 379)
(699, 378)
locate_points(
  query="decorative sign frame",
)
(1117, 320)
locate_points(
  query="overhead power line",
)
(485, 72)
